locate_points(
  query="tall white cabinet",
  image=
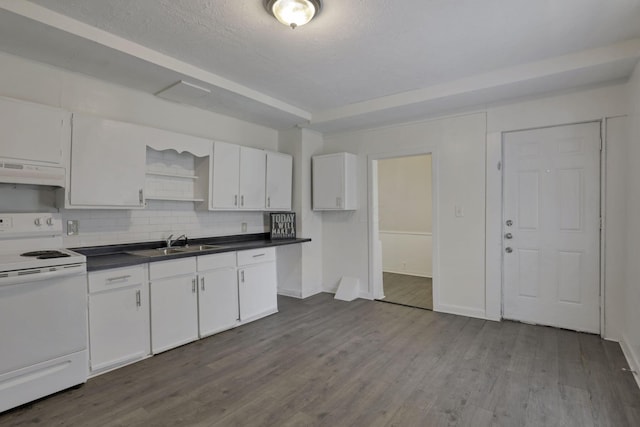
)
(335, 182)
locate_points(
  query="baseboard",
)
(461, 311)
(632, 358)
(408, 273)
(311, 293)
(290, 293)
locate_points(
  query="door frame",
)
(376, 290)
(495, 274)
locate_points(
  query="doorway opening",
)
(405, 229)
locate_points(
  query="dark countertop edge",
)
(116, 256)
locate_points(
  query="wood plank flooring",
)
(408, 290)
(323, 362)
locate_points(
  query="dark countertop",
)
(115, 256)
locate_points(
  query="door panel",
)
(552, 196)
(253, 165)
(226, 172)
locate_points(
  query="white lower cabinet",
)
(174, 303)
(218, 293)
(257, 283)
(118, 317)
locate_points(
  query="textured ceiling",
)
(358, 50)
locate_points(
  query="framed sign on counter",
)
(283, 225)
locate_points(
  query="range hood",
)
(16, 172)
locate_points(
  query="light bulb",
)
(293, 12)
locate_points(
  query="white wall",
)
(631, 332)
(463, 170)
(300, 272)
(405, 252)
(404, 214)
(456, 143)
(35, 82)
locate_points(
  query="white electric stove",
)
(43, 310)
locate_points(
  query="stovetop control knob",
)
(49, 221)
(38, 221)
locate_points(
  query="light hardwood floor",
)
(361, 363)
(408, 290)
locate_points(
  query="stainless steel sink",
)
(202, 247)
(157, 252)
(173, 250)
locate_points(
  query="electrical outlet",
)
(244, 227)
(72, 227)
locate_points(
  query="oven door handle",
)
(65, 271)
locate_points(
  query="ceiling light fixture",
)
(293, 13)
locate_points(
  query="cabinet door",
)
(226, 176)
(279, 178)
(107, 163)
(258, 291)
(118, 327)
(32, 132)
(328, 182)
(174, 312)
(218, 300)
(252, 178)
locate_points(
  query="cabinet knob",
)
(202, 283)
(138, 299)
(235, 200)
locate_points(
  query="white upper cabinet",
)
(238, 178)
(279, 178)
(32, 132)
(107, 164)
(252, 178)
(225, 181)
(335, 182)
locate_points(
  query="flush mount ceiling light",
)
(293, 13)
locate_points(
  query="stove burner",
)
(45, 254)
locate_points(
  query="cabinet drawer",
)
(116, 278)
(211, 262)
(255, 256)
(172, 268)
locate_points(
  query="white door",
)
(174, 312)
(218, 300)
(226, 173)
(118, 326)
(257, 289)
(551, 226)
(253, 165)
(279, 178)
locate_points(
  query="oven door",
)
(43, 315)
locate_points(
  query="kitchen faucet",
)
(170, 242)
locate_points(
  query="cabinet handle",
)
(242, 276)
(193, 285)
(235, 200)
(138, 299)
(268, 202)
(141, 196)
(242, 200)
(258, 255)
(113, 279)
(202, 283)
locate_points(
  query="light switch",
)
(72, 227)
(459, 211)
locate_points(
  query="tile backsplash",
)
(159, 220)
